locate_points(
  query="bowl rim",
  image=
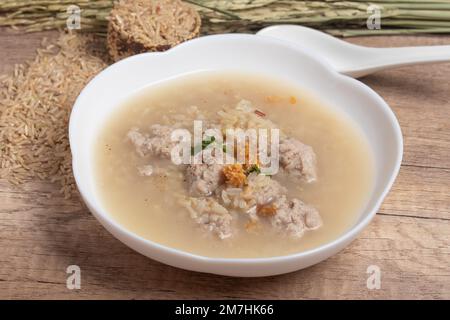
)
(109, 223)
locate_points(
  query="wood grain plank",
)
(17, 47)
(420, 192)
(412, 253)
(41, 233)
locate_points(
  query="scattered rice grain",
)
(35, 103)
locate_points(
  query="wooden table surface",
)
(409, 239)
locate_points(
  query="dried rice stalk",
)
(35, 103)
(344, 18)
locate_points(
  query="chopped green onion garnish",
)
(205, 144)
(254, 168)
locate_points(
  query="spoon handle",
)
(354, 60)
(376, 59)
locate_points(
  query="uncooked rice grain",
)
(35, 104)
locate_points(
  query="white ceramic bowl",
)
(245, 53)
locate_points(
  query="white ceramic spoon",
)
(353, 60)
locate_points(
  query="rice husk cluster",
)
(35, 104)
(150, 25)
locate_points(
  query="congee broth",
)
(176, 164)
